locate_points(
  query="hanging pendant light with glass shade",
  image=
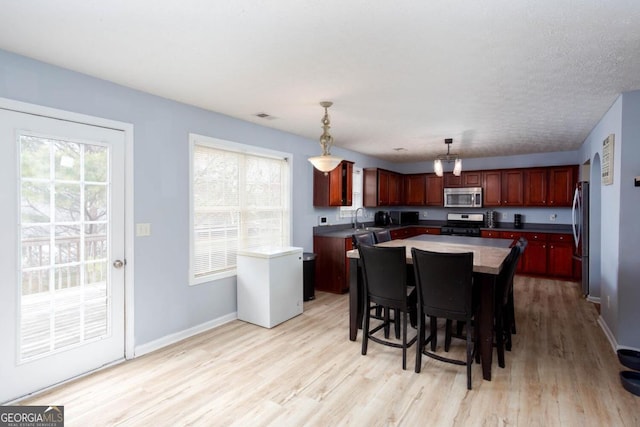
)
(325, 162)
(449, 157)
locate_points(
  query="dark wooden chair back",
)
(444, 282)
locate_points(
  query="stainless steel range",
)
(462, 224)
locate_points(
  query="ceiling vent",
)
(265, 116)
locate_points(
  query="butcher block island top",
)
(488, 254)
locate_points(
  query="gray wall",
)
(619, 207)
(628, 267)
(164, 302)
(609, 212)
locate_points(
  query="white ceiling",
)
(500, 77)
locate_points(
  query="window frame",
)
(357, 194)
(216, 143)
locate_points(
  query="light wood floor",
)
(561, 372)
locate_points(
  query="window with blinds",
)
(240, 199)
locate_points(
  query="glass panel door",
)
(62, 222)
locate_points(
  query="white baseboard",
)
(595, 300)
(179, 336)
(608, 333)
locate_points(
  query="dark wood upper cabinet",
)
(382, 188)
(551, 186)
(396, 187)
(539, 186)
(472, 179)
(562, 181)
(512, 189)
(503, 187)
(466, 179)
(535, 187)
(452, 181)
(333, 188)
(492, 188)
(435, 190)
(415, 189)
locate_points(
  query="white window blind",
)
(240, 200)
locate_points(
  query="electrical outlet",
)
(553, 217)
(424, 214)
(322, 220)
(608, 302)
(143, 229)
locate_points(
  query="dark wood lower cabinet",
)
(547, 254)
(561, 256)
(332, 266)
(401, 233)
(418, 230)
(534, 259)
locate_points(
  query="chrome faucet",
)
(355, 218)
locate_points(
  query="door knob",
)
(118, 264)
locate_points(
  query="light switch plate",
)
(143, 229)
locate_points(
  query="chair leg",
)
(476, 335)
(365, 328)
(433, 322)
(512, 314)
(459, 325)
(396, 322)
(404, 339)
(469, 355)
(387, 321)
(447, 335)
(507, 323)
(499, 332)
(420, 342)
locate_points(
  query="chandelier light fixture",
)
(325, 162)
(449, 157)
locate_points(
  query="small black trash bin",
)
(308, 275)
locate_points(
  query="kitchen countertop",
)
(488, 255)
(344, 230)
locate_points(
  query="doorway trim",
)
(127, 128)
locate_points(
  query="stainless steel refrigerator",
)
(580, 220)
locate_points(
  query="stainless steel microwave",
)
(463, 197)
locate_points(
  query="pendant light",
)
(325, 162)
(449, 157)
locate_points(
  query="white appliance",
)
(270, 284)
(580, 224)
(463, 197)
